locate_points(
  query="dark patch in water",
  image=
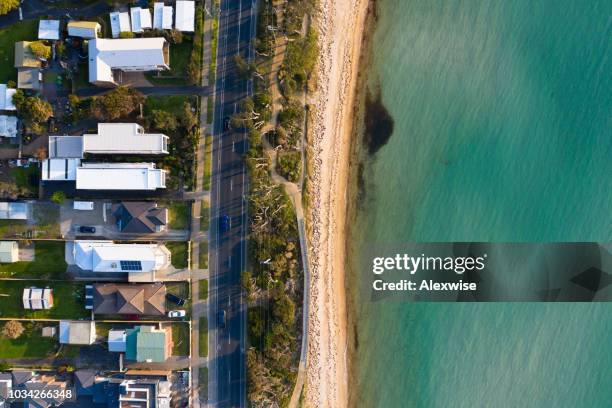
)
(378, 123)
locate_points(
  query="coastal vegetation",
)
(274, 282)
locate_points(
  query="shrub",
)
(127, 34)
(12, 329)
(163, 120)
(8, 5)
(58, 197)
(289, 165)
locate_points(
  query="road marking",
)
(231, 184)
(233, 150)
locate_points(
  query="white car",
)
(176, 313)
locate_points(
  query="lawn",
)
(168, 103)
(203, 255)
(203, 380)
(67, 300)
(180, 289)
(203, 337)
(180, 337)
(179, 215)
(46, 217)
(26, 178)
(22, 31)
(203, 289)
(180, 254)
(204, 216)
(48, 263)
(29, 345)
(179, 60)
(208, 163)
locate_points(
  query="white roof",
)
(6, 98)
(84, 29)
(26, 298)
(59, 169)
(13, 211)
(8, 126)
(106, 256)
(117, 341)
(185, 15)
(120, 176)
(124, 138)
(135, 15)
(48, 30)
(145, 18)
(162, 16)
(37, 299)
(129, 54)
(120, 23)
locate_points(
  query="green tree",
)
(41, 50)
(188, 118)
(8, 5)
(58, 197)
(33, 110)
(116, 104)
(175, 36)
(163, 120)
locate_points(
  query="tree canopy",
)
(8, 5)
(40, 49)
(118, 103)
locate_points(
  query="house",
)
(146, 344)
(107, 56)
(84, 382)
(120, 23)
(124, 138)
(140, 261)
(6, 98)
(6, 385)
(112, 138)
(13, 211)
(162, 16)
(140, 217)
(84, 29)
(144, 393)
(137, 299)
(185, 16)
(49, 30)
(8, 126)
(117, 341)
(35, 384)
(37, 299)
(141, 19)
(28, 67)
(75, 332)
(119, 176)
(9, 251)
(104, 176)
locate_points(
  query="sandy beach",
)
(341, 24)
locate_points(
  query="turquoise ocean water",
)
(502, 132)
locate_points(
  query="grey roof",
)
(20, 377)
(139, 216)
(84, 381)
(65, 147)
(146, 299)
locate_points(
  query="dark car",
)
(226, 123)
(225, 223)
(173, 298)
(84, 229)
(221, 318)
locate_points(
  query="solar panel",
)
(131, 265)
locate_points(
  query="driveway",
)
(102, 219)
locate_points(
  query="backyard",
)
(48, 263)
(22, 31)
(45, 223)
(30, 344)
(67, 300)
(179, 60)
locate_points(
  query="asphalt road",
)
(227, 387)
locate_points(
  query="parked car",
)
(225, 223)
(175, 299)
(84, 229)
(176, 313)
(221, 318)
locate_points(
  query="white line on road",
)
(231, 184)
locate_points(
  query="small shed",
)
(49, 30)
(84, 29)
(6, 98)
(8, 126)
(117, 341)
(49, 331)
(37, 299)
(120, 23)
(9, 251)
(77, 332)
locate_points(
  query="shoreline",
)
(340, 26)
